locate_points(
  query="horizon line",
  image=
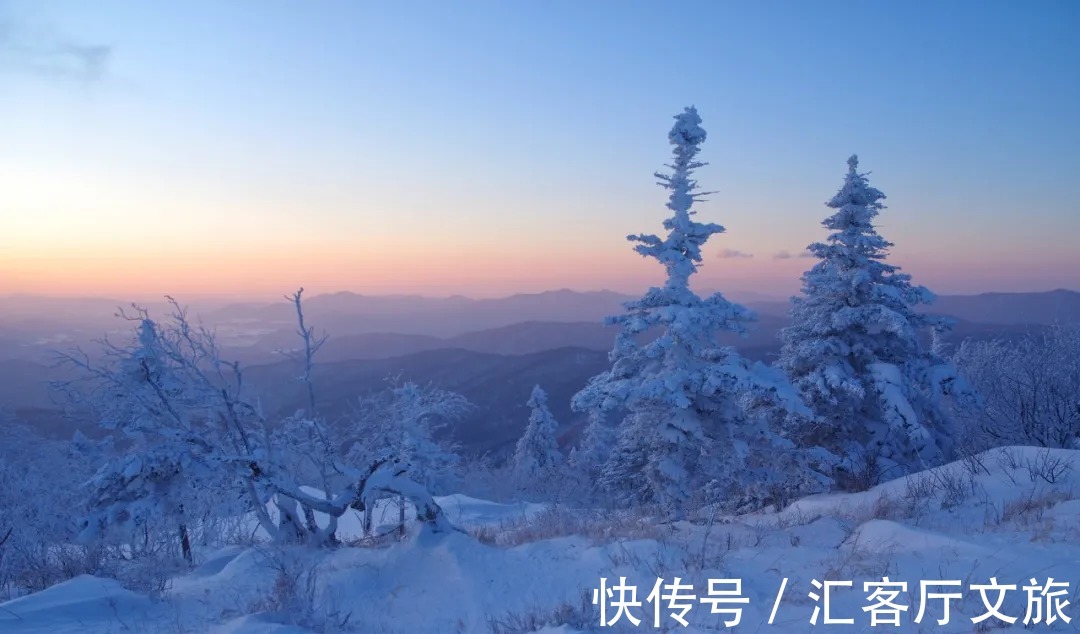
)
(137, 297)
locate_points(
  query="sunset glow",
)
(322, 151)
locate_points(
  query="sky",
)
(245, 148)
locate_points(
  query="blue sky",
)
(488, 147)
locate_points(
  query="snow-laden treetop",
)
(852, 256)
(857, 204)
(538, 398)
(680, 252)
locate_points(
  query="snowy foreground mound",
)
(1011, 515)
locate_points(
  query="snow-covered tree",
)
(586, 461)
(395, 432)
(167, 456)
(419, 414)
(856, 347)
(407, 420)
(537, 461)
(682, 393)
(191, 423)
(404, 423)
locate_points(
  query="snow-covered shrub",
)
(151, 576)
(581, 616)
(488, 477)
(769, 481)
(40, 494)
(296, 596)
(1049, 468)
(1029, 390)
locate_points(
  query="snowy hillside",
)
(1010, 514)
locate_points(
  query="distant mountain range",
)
(1011, 309)
(350, 313)
(446, 317)
(514, 339)
(491, 350)
(1057, 306)
(369, 327)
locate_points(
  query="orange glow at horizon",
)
(476, 267)
(434, 272)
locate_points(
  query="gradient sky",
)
(247, 147)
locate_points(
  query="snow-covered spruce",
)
(684, 396)
(854, 349)
(537, 461)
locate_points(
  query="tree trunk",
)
(185, 543)
(401, 517)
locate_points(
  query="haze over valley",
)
(493, 351)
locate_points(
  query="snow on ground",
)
(78, 605)
(1013, 515)
(464, 511)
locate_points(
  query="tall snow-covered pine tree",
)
(856, 349)
(682, 393)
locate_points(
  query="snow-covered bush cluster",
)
(40, 491)
(1028, 390)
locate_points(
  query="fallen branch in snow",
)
(384, 477)
(11, 613)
